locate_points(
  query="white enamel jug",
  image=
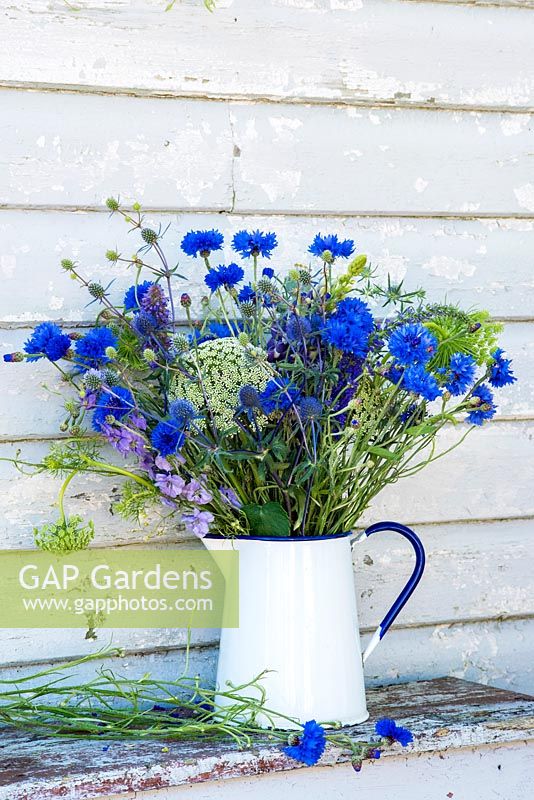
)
(298, 618)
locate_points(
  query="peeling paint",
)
(525, 196)
(451, 268)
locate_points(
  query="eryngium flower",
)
(182, 410)
(249, 397)
(254, 243)
(310, 746)
(310, 408)
(203, 242)
(412, 344)
(330, 244)
(47, 340)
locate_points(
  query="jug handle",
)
(408, 589)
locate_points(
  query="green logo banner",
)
(119, 589)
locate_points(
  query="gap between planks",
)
(267, 99)
(243, 212)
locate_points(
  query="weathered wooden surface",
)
(464, 773)
(319, 50)
(444, 715)
(249, 157)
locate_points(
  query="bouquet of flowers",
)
(278, 405)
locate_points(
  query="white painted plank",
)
(31, 403)
(474, 572)
(175, 153)
(164, 664)
(495, 653)
(490, 477)
(465, 772)
(484, 262)
(200, 154)
(317, 50)
(381, 160)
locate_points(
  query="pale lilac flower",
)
(230, 497)
(198, 522)
(196, 493)
(89, 400)
(137, 420)
(170, 485)
(163, 464)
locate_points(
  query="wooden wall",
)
(406, 125)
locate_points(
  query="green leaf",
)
(383, 453)
(269, 519)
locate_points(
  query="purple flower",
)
(230, 497)
(170, 485)
(198, 522)
(390, 730)
(155, 302)
(196, 493)
(134, 295)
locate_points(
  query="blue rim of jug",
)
(279, 538)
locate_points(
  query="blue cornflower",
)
(310, 408)
(118, 404)
(213, 280)
(203, 242)
(461, 373)
(268, 272)
(254, 243)
(331, 245)
(485, 408)
(416, 379)
(231, 274)
(134, 295)
(349, 327)
(390, 730)
(279, 395)
(167, 438)
(501, 373)
(47, 340)
(91, 348)
(247, 294)
(310, 746)
(412, 344)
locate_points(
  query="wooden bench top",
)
(445, 713)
